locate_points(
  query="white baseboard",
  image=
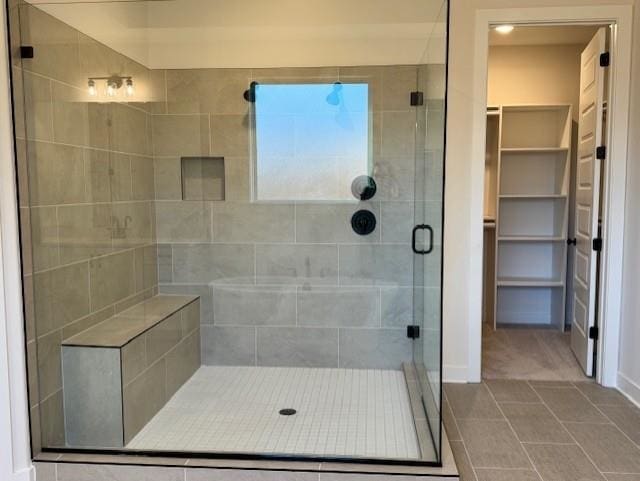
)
(26, 474)
(629, 388)
(455, 374)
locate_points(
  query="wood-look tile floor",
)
(508, 430)
(532, 354)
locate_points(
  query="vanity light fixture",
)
(504, 29)
(113, 84)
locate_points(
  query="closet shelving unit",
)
(533, 175)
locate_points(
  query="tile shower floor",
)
(340, 412)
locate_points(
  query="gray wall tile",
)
(37, 102)
(70, 114)
(129, 130)
(230, 135)
(244, 222)
(42, 225)
(84, 231)
(254, 306)
(182, 362)
(142, 177)
(56, 174)
(297, 264)
(132, 224)
(397, 306)
(183, 221)
(374, 348)
(331, 223)
(397, 219)
(52, 420)
(339, 307)
(134, 358)
(49, 364)
(165, 263)
(167, 172)
(143, 398)
(190, 316)
(219, 263)
(297, 347)
(247, 475)
(57, 44)
(146, 267)
(204, 291)
(113, 472)
(381, 265)
(111, 279)
(92, 396)
(61, 296)
(228, 346)
(163, 337)
(215, 91)
(180, 135)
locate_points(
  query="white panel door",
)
(587, 199)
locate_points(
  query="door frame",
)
(614, 182)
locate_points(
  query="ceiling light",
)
(504, 29)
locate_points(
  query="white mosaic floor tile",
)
(340, 412)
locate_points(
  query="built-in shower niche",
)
(202, 178)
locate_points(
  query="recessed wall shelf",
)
(202, 178)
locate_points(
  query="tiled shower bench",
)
(119, 373)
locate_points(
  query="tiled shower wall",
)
(86, 195)
(285, 284)
(290, 284)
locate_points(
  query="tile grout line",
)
(565, 428)
(608, 418)
(464, 444)
(533, 466)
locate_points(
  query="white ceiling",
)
(262, 33)
(545, 35)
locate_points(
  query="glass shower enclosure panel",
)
(427, 232)
(217, 242)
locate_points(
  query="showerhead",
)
(334, 97)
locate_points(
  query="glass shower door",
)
(427, 231)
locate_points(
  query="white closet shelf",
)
(534, 150)
(530, 238)
(532, 196)
(528, 282)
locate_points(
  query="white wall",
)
(462, 255)
(534, 74)
(629, 368)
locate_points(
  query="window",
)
(311, 140)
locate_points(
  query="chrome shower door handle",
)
(413, 239)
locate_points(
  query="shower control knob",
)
(363, 187)
(363, 222)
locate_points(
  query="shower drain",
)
(287, 412)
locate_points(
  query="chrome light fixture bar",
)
(113, 84)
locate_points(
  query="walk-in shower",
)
(231, 221)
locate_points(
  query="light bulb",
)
(111, 89)
(504, 29)
(129, 89)
(92, 88)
